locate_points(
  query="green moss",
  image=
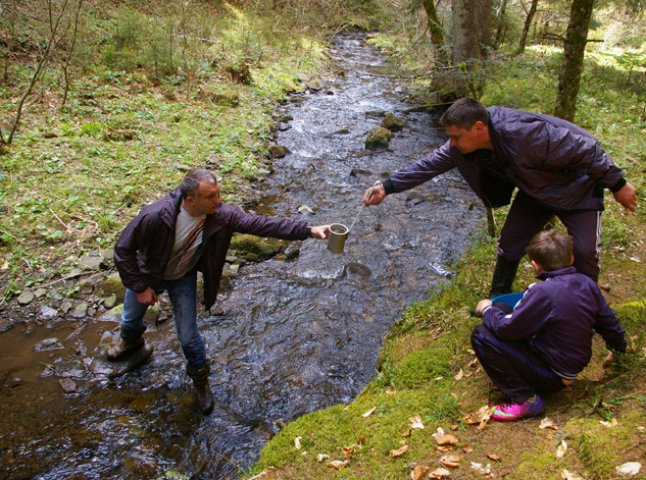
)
(255, 249)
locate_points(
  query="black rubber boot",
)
(127, 344)
(503, 276)
(200, 377)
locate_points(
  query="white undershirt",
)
(187, 247)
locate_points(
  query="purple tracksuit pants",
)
(513, 366)
(527, 217)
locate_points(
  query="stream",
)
(295, 334)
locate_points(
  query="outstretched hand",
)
(374, 195)
(320, 232)
(627, 196)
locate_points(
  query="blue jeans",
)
(183, 296)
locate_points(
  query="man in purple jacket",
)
(165, 245)
(546, 341)
(558, 168)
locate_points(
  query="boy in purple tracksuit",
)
(545, 342)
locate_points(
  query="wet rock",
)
(80, 310)
(40, 292)
(212, 161)
(48, 312)
(111, 285)
(26, 297)
(378, 138)
(376, 114)
(343, 131)
(181, 167)
(48, 345)
(92, 262)
(277, 151)
(75, 272)
(65, 306)
(55, 295)
(355, 172)
(68, 385)
(393, 123)
(110, 301)
(86, 287)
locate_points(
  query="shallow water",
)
(291, 337)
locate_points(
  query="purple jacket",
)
(144, 247)
(552, 160)
(558, 318)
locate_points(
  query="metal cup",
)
(338, 236)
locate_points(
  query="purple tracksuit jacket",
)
(552, 160)
(144, 247)
(558, 317)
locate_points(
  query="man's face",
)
(466, 140)
(207, 200)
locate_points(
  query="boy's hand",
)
(482, 304)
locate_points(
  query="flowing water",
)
(295, 334)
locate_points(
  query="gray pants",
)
(527, 217)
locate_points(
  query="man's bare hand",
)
(147, 297)
(627, 196)
(374, 195)
(320, 232)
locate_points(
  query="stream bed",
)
(295, 334)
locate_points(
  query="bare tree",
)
(70, 52)
(501, 24)
(573, 54)
(526, 27)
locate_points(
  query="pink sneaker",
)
(509, 412)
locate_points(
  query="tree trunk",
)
(528, 23)
(437, 33)
(573, 53)
(501, 20)
(482, 14)
(467, 55)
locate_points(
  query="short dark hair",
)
(464, 113)
(551, 249)
(191, 183)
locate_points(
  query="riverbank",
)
(427, 375)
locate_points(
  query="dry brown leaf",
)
(399, 452)
(416, 422)
(348, 452)
(467, 449)
(561, 449)
(407, 433)
(448, 439)
(419, 472)
(480, 418)
(459, 375)
(547, 423)
(473, 363)
(369, 412)
(451, 461)
(444, 449)
(611, 423)
(486, 470)
(361, 440)
(494, 457)
(321, 457)
(439, 432)
(567, 475)
(338, 464)
(439, 473)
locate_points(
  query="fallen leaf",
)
(561, 449)
(611, 423)
(416, 422)
(338, 464)
(567, 475)
(448, 439)
(444, 449)
(547, 423)
(451, 461)
(407, 433)
(321, 457)
(494, 457)
(480, 469)
(629, 468)
(348, 452)
(459, 375)
(305, 209)
(438, 378)
(480, 418)
(439, 473)
(473, 363)
(636, 259)
(419, 471)
(467, 449)
(361, 440)
(439, 432)
(369, 412)
(399, 452)
(297, 443)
